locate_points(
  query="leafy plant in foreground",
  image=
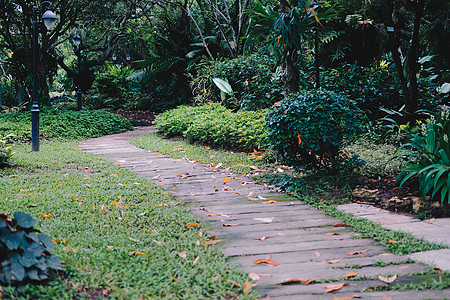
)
(5, 151)
(429, 157)
(25, 253)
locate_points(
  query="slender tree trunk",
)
(413, 65)
(291, 74)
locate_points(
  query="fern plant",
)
(5, 150)
(428, 154)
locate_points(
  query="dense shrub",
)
(214, 124)
(428, 154)
(64, 125)
(310, 128)
(24, 252)
(253, 79)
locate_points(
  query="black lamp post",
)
(77, 41)
(49, 19)
(315, 6)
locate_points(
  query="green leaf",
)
(47, 241)
(445, 88)
(33, 274)
(27, 260)
(54, 262)
(223, 85)
(24, 220)
(18, 271)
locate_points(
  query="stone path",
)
(255, 223)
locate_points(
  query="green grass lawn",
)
(117, 234)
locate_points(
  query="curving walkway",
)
(255, 223)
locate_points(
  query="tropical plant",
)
(25, 253)
(5, 151)
(428, 157)
(310, 128)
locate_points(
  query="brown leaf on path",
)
(212, 215)
(266, 261)
(251, 199)
(439, 271)
(431, 221)
(387, 279)
(261, 238)
(350, 275)
(182, 254)
(346, 297)
(291, 281)
(271, 201)
(341, 225)
(387, 297)
(335, 287)
(246, 287)
(333, 261)
(357, 252)
(332, 233)
(385, 254)
(159, 171)
(254, 276)
(403, 267)
(317, 254)
(230, 225)
(207, 243)
(392, 241)
(226, 179)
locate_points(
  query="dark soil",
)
(385, 193)
(137, 117)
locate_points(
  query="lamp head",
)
(49, 18)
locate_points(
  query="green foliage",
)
(310, 128)
(5, 151)
(214, 124)
(110, 88)
(428, 154)
(64, 125)
(25, 253)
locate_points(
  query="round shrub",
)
(309, 128)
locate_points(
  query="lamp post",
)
(77, 41)
(49, 19)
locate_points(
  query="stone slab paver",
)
(299, 237)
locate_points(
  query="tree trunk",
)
(413, 65)
(291, 76)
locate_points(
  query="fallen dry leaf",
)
(346, 297)
(357, 252)
(254, 276)
(291, 281)
(333, 261)
(206, 243)
(182, 254)
(261, 238)
(271, 201)
(309, 281)
(266, 261)
(229, 225)
(317, 254)
(196, 260)
(431, 221)
(350, 275)
(265, 275)
(246, 287)
(391, 241)
(45, 216)
(385, 254)
(403, 267)
(387, 279)
(439, 271)
(341, 225)
(159, 171)
(226, 179)
(387, 297)
(191, 224)
(332, 233)
(335, 287)
(212, 215)
(233, 282)
(215, 278)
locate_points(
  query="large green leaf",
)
(223, 85)
(24, 220)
